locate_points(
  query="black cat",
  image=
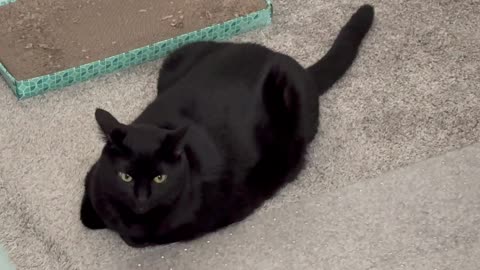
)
(229, 127)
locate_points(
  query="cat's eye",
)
(160, 178)
(125, 177)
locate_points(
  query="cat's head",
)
(142, 166)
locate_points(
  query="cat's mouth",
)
(141, 209)
(149, 209)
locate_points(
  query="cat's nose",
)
(142, 199)
(142, 203)
(142, 195)
(142, 209)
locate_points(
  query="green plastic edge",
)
(4, 2)
(5, 262)
(32, 87)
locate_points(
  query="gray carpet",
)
(412, 94)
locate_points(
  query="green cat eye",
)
(160, 178)
(125, 177)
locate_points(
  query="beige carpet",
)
(413, 93)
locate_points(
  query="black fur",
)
(229, 127)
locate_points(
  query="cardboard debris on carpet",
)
(54, 43)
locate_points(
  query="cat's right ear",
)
(279, 93)
(109, 125)
(174, 143)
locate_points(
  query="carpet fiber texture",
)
(412, 94)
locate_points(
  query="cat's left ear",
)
(175, 141)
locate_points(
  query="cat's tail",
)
(343, 51)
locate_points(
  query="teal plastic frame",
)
(5, 262)
(36, 86)
(4, 2)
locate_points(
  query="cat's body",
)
(229, 127)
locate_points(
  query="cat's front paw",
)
(135, 242)
(89, 217)
(134, 235)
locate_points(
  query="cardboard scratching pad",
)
(49, 44)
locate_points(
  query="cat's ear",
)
(112, 130)
(174, 142)
(279, 93)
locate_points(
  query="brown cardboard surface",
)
(42, 37)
